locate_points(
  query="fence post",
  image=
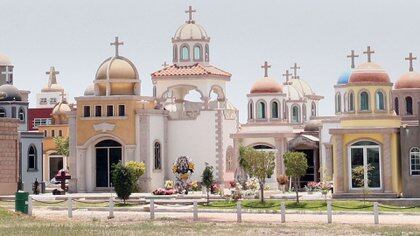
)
(152, 209)
(69, 207)
(376, 213)
(329, 212)
(111, 208)
(283, 212)
(30, 206)
(239, 211)
(195, 212)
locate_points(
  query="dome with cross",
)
(411, 79)
(52, 85)
(266, 84)
(59, 112)
(190, 30)
(369, 72)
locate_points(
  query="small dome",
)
(190, 31)
(408, 80)
(266, 85)
(52, 88)
(344, 78)
(298, 88)
(9, 92)
(59, 112)
(369, 72)
(5, 60)
(90, 90)
(117, 68)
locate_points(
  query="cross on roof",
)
(63, 98)
(369, 53)
(410, 58)
(8, 73)
(52, 76)
(295, 68)
(116, 43)
(352, 56)
(265, 67)
(190, 12)
(165, 64)
(287, 74)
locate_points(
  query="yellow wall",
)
(371, 89)
(48, 142)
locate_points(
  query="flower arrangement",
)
(169, 184)
(236, 193)
(195, 186)
(162, 191)
(215, 188)
(252, 184)
(312, 187)
(182, 168)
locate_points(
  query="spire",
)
(410, 58)
(369, 53)
(265, 67)
(52, 79)
(352, 56)
(190, 12)
(116, 43)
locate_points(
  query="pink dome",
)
(266, 85)
(369, 73)
(408, 80)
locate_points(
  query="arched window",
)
(251, 110)
(229, 159)
(396, 106)
(304, 112)
(207, 52)
(380, 101)
(32, 158)
(21, 114)
(197, 53)
(365, 165)
(185, 53)
(364, 101)
(295, 114)
(415, 161)
(175, 53)
(261, 110)
(409, 105)
(158, 156)
(351, 101)
(337, 103)
(274, 110)
(2, 112)
(13, 112)
(313, 109)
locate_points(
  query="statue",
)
(182, 169)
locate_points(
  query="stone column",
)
(316, 164)
(327, 167)
(279, 155)
(236, 146)
(130, 151)
(339, 165)
(144, 136)
(72, 158)
(81, 166)
(386, 160)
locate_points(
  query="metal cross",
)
(265, 67)
(369, 53)
(116, 43)
(165, 64)
(8, 73)
(190, 12)
(295, 67)
(352, 56)
(411, 59)
(287, 74)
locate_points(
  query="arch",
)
(250, 110)
(107, 153)
(198, 52)
(275, 114)
(175, 53)
(261, 109)
(185, 52)
(364, 101)
(21, 114)
(313, 109)
(3, 112)
(295, 114)
(262, 145)
(157, 157)
(32, 157)
(218, 90)
(351, 101)
(189, 87)
(408, 105)
(414, 161)
(101, 137)
(380, 100)
(337, 102)
(396, 106)
(207, 53)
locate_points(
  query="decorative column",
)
(279, 155)
(328, 165)
(130, 151)
(338, 168)
(144, 143)
(72, 158)
(81, 166)
(386, 160)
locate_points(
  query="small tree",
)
(258, 164)
(358, 178)
(62, 146)
(208, 179)
(123, 180)
(137, 169)
(296, 166)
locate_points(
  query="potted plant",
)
(311, 187)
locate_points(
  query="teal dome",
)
(344, 78)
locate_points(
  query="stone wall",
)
(9, 156)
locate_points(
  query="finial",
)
(116, 43)
(287, 74)
(369, 53)
(352, 56)
(190, 12)
(410, 58)
(295, 68)
(265, 67)
(165, 64)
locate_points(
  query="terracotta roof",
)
(196, 69)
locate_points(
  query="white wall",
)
(28, 177)
(157, 133)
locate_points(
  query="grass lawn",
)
(17, 224)
(317, 205)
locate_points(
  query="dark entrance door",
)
(56, 164)
(108, 152)
(310, 172)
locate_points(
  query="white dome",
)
(90, 90)
(5, 60)
(298, 89)
(190, 31)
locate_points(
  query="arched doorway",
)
(365, 165)
(108, 152)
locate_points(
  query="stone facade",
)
(9, 156)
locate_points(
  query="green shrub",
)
(123, 180)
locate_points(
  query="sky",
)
(74, 37)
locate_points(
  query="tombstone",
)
(61, 176)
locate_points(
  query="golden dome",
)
(266, 85)
(59, 113)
